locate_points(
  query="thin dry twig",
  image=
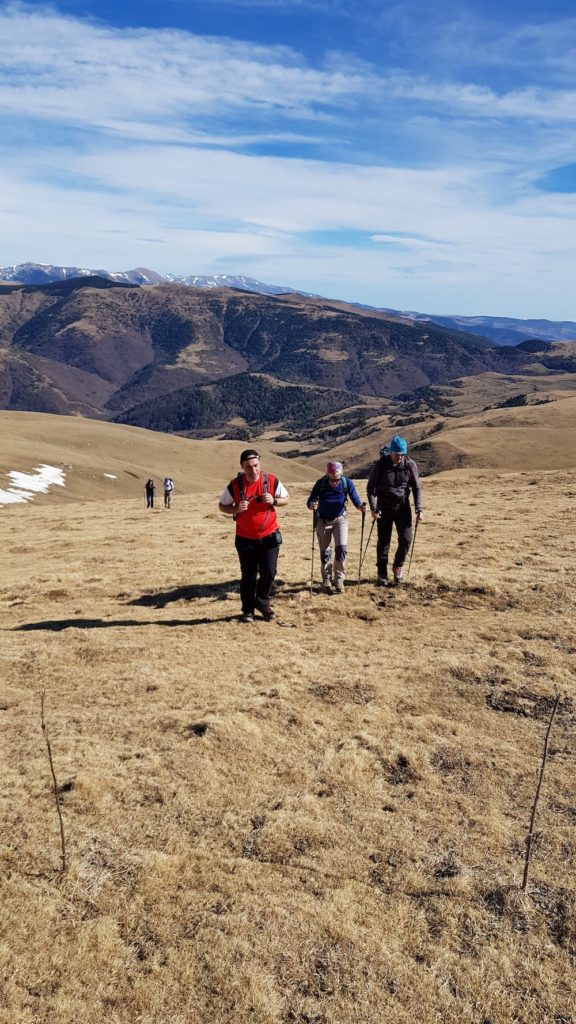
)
(54, 781)
(530, 835)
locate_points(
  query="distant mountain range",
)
(213, 360)
(500, 330)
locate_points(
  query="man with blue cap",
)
(389, 485)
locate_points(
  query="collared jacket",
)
(332, 500)
(389, 486)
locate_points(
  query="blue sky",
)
(407, 155)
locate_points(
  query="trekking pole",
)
(361, 546)
(367, 546)
(412, 548)
(313, 546)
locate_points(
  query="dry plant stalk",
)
(530, 835)
(54, 781)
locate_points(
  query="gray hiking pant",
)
(332, 532)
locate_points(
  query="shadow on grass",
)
(192, 592)
(56, 625)
(197, 591)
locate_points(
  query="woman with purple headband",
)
(328, 499)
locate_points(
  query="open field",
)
(524, 438)
(320, 820)
(104, 461)
(536, 437)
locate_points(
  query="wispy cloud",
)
(198, 154)
(57, 68)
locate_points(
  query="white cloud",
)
(484, 102)
(132, 148)
(60, 69)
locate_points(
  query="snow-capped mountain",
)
(500, 330)
(43, 273)
(245, 284)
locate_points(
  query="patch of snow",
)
(23, 486)
(110, 476)
(11, 497)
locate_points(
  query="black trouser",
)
(401, 517)
(258, 561)
(149, 499)
(167, 499)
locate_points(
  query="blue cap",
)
(398, 444)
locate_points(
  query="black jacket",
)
(389, 486)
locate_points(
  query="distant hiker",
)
(389, 485)
(168, 488)
(328, 497)
(252, 498)
(150, 489)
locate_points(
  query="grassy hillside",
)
(540, 434)
(526, 437)
(103, 460)
(317, 820)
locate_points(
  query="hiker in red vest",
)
(252, 498)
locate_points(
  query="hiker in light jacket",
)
(168, 488)
(328, 498)
(391, 480)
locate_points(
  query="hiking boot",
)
(382, 581)
(246, 617)
(267, 614)
(339, 586)
(398, 574)
(327, 586)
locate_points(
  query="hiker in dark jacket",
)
(328, 498)
(150, 489)
(389, 485)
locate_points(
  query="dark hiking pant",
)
(167, 499)
(258, 562)
(149, 499)
(401, 518)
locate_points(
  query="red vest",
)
(259, 519)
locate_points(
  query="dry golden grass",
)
(521, 438)
(316, 821)
(534, 437)
(90, 449)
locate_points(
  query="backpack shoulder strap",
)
(237, 482)
(345, 485)
(265, 483)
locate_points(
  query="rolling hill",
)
(100, 348)
(103, 461)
